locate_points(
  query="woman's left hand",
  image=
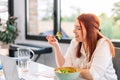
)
(86, 74)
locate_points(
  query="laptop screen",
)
(9, 68)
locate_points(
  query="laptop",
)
(9, 68)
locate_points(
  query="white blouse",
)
(100, 66)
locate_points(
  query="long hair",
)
(91, 23)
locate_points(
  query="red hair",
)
(92, 24)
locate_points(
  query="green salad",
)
(63, 71)
(59, 35)
(66, 70)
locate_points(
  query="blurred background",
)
(38, 18)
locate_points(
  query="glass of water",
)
(24, 58)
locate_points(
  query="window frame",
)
(57, 24)
(11, 7)
(56, 20)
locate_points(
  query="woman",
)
(89, 50)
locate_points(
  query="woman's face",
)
(78, 31)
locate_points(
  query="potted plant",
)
(8, 32)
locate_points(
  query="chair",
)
(37, 49)
(116, 62)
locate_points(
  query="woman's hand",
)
(58, 53)
(86, 74)
(52, 40)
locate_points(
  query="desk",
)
(39, 72)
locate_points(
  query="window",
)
(6, 9)
(39, 16)
(45, 17)
(42, 18)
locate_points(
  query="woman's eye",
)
(77, 28)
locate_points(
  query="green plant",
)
(8, 30)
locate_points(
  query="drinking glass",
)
(24, 58)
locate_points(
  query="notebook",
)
(9, 68)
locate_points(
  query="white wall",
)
(19, 11)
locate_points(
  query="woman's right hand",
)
(52, 40)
